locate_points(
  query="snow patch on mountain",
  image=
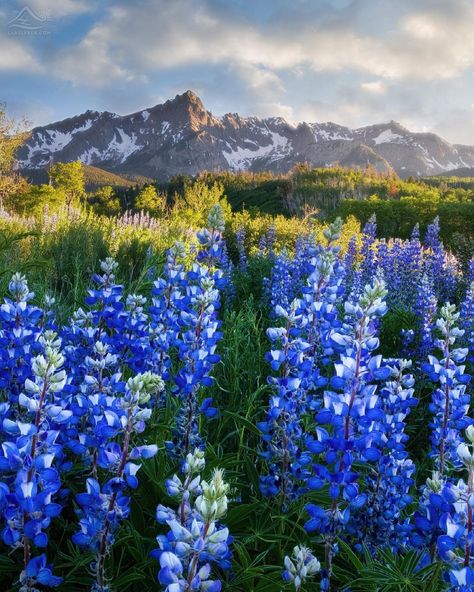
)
(91, 156)
(122, 146)
(240, 157)
(330, 132)
(386, 137)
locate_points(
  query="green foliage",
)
(149, 200)
(73, 251)
(398, 217)
(10, 242)
(388, 572)
(104, 201)
(96, 177)
(195, 202)
(35, 199)
(69, 178)
(246, 190)
(12, 135)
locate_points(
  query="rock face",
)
(181, 136)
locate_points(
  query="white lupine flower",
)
(301, 565)
(212, 503)
(49, 301)
(195, 462)
(178, 250)
(18, 287)
(39, 366)
(465, 454)
(216, 218)
(333, 231)
(470, 433)
(144, 385)
(436, 483)
(108, 266)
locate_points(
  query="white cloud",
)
(263, 82)
(158, 35)
(15, 56)
(276, 110)
(57, 8)
(377, 87)
(351, 114)
(91, 64)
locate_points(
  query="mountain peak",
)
(188, 98)
(187, 108)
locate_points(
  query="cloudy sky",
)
(355, 62)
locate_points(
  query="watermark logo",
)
(29, 22)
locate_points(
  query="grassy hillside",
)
(94, 177)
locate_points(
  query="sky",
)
(354, 62)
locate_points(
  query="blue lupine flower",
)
(299, 348)
(450, 402)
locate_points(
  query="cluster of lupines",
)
(382, 520)
(31, 481)
(449, 407)
(266, 244)
(301, 344)
(115, 418)
(352, 416)
(368, 250)
(280, 288)
(21, 324)
(198, 335)
(450, 401)
(164, 310)
(196, 540)
(404, 262)
(281, 430)
(440, 268)
(456, 544)
(418, 342)
(357, 447)
(336, 418)
(290, 272)
(77, 404)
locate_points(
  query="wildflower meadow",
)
(240, 413)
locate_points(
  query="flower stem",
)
(100, 569)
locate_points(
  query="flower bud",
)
(212, 503)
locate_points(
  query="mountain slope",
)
(94, 177)
(181, 136)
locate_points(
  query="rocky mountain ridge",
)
(181, 136)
